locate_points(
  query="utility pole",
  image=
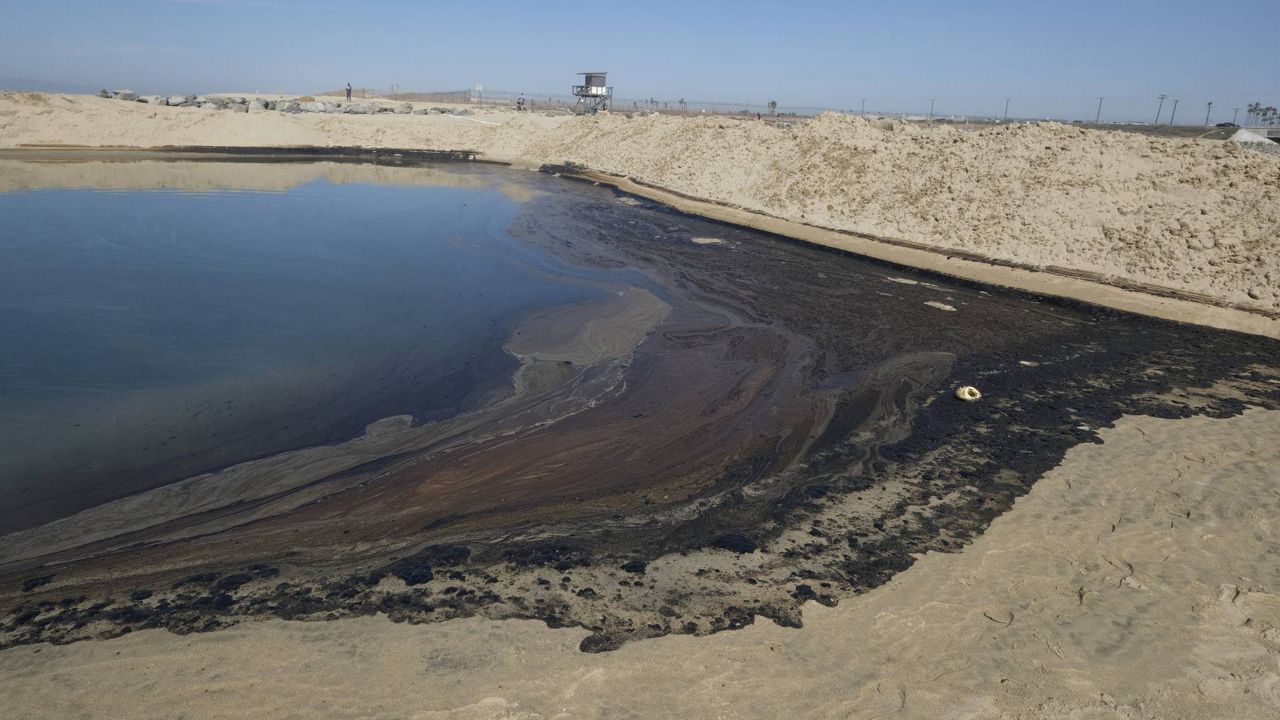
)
(1235, 114)
(931, 109)
(1006, 110)
(1097, 119)
(1162, 97)
(1206, 113)
(1173, 112)
(864, 106)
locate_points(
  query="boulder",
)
(154, 99)
(403, 109)
(289, 106)
(126, 95)
(312, 107)
(272, 105)
(422, 111)
(176, 100)
(440, 110)
(257, 106)
(104, 93)
(237, 107)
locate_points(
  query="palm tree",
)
(773, 107)
(1258, 113)
(684, 107)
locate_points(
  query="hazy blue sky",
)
(1053, 58)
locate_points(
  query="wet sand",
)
(754, 425)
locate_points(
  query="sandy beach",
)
(1136, 580)
(811, 525)
(1193, 216)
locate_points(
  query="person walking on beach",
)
(348, 92)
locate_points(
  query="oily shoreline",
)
(1108, 290)
(891, 465)
(1190, 215)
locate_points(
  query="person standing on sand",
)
(348, 92)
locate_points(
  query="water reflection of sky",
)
(172, 332)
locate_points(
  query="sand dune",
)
(1136, 580)
(1193, 215)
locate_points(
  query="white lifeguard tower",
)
(594, 94)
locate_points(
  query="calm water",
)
(154, 335)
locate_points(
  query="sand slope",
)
(1193, 215)
(1137, 580)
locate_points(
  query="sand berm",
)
(1192, 215)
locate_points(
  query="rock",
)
(1256, 292)
(968, 393)
(272, 105)
(126, 95)
(463, 112)
(440, 110)
(256, 106)
(239, 108)
(176, 100)
(403, 109)
(422, 111)
(290, 107)
(104, 93)
(311, 107)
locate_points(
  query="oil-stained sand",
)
(782, 430)
(1135, 580)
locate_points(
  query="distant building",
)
(594, 94)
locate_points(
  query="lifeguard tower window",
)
(594, 94)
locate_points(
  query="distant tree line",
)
(1262, 115)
